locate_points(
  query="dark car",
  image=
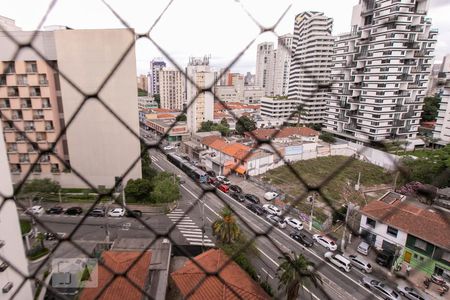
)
(384, 258)
(302, 239)
(212, 180)
(211, 173)
(255, 208)
(252, 198)
(56, 210)
(237, 196)
(135, 213)
(97, 212)
(74, 211)
(50, 236)
(235, 188)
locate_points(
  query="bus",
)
(192, 171)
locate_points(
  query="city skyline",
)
(218, 45)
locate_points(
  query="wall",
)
(376, 157)
(380, 231)
(100, 146)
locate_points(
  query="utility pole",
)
(313, 198)
(123, 197)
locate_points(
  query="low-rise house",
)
(418, 234)
(231, 282)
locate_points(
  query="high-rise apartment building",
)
(278, 107)
(171, 88)
(12, 250)
(142, 82)
(282, 64)
(155, 65)
(311, 64)
(200, 108)
(38, 98)
(441, 130)
(380, 71)
(265, 67)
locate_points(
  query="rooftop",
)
(120, 287)
(429, 224)
(265, 134)
(235, 283)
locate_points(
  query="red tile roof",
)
(163, 110)
(165, 116)
(120, 288)
(264, 134)
(235, 280)
(428, 224)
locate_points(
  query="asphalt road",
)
(270, 242)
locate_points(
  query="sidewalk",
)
(415, 279)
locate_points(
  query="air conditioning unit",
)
(7, 287)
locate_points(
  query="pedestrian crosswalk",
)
(190, 231)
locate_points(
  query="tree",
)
(299, 112)
(166, 189)
(142, 93)
(327, 137)
(226, 228)
(157, 99)
(430, 108)
(139, 190)
(181, 118)
(222, 127)
(206, 126)
(293, 272)
(45, 185)
(147, 171)
(224, 122)
(245, 124)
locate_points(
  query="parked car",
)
(50, 236)
(223, 180)
(409, 292)
(237, 196)
(224, 188)
(169, 147)
(134, 213)
(269, 196)
(252, 198)
(235, 188)
(276, 220)
(181, 179)
(211, 173)
(255, 208)
(35, 210)
(117, 212)
(272, 209)
(339, 260)
(55, 210)
(363, 248)
(97, 212)
(74, 211)
(212, 180)
(384, 258)
(294, 223)
(325, 242)
(380, 288)
(360, 263)
(302, 239)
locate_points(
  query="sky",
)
(219, 28)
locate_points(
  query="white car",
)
(223, 180)
(276, 220)
(169, 147)
(117, 212)
(269, 196)
(294, 223)
(272, 209)
(360, 263)
(325, 242)
(409, 292)
(36, 210)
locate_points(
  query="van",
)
(338, 260)
(363, 248)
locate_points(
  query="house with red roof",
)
(416, 233)
(228, 282)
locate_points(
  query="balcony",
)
(10, 68)
(45, 159)
(43, 81)
(37, 169)
(5, 104)
(420, 53)
(352, 113)
(418, 69)
(17, 116)
(402, 94)
(12, 148)
(24, 159)
(13, 92)
(40, 137)
(20, 138)
(35, 92)
(55, 169)
(15, 169)
(49, 127)
(405, 77)
(30, 128)
(25, 104)
(400, 108)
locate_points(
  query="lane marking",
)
(195, 235)
(198, 240)
(158, 166)
(153, 158)
(204, 244)
(191, 230)
(209, 219)
(268, 274)
(187, 226)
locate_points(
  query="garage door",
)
(388, 246)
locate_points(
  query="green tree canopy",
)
(45, 185)
(245, 124)
(139, 190)
(166, 189)
(222, 127)
(327, 137)
(226, 228)
(181, 118)
(430, 108)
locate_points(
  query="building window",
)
(392, 231)
(372, 223)
(420, 244)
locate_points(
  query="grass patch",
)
(423, 153)
(25, 226)
(315, 171)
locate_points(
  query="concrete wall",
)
(13, 251)
(100, 146)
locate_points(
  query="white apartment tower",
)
(282, 64)
(171, 88)
(12, 252)
(199, 108)
(380, 71)
(153, 76)
(265, 67)
(311, 64)
(441, 130)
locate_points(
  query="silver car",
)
(409, 292)
(360, 263)
(380, 288)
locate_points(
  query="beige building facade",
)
(171, 88)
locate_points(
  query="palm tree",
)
(226, 229)
(293, 272)
(300, 111)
